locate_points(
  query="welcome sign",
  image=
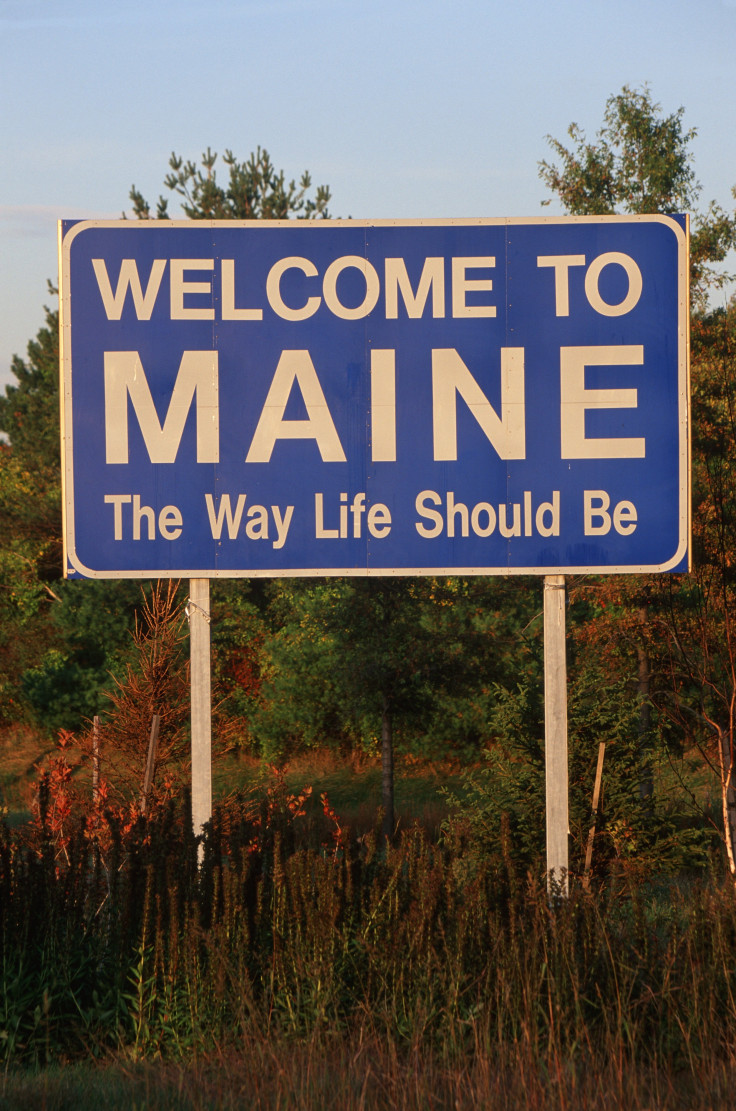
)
(354, 398)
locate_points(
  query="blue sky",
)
(406, 108)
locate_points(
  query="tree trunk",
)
(728, 796)
(387, 771)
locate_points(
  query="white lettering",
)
(118, 501)
(397, 279)
(169, 518)
(225, 513)
(561, 264)
(169, 522)
(597, 510)
(128, 276)
(197, 375)
(430, 514)
(273, 288)
(321, 532)
(514, 529)
(383, 406)
(282, 524)
(229, 312)
(553, 508)
(454, 510)
(450, 376)
(633, 273)
(257, 526)
(295, 366)
(483, 518)
(379, 520)
(179, 288)
(461, 286)
(139, 513)
(490, 512)
(575, 399)
(625, 518)
(372, 287)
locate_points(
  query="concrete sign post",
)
(486, 397)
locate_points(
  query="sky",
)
(405, 108)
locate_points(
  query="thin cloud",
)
(35, 221)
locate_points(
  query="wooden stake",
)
(150, 761)
(198, 612)
(591, 831)
(555, 733)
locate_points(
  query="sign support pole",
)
(555, 733)
(198, 611)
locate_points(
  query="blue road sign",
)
(350, 397)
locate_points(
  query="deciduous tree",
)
(673, 637)
(640, 162)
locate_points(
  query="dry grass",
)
(363, 1073)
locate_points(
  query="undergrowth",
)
(114, 941)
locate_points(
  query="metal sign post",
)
(555, 732)
(198, 611)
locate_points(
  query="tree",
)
(640, 162)
(254, 191)
(29, 412)
(30, 512)
(59, 640)
(355, 653)
(391, 663)
(696, 630)
(674, 637)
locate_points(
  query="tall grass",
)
(292, 933)
(341, 1075)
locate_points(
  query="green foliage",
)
(30, 514)
(502, 804)
(696, 637)
(238, 630)
(254, 191)
(678, 633)
(23, 628)
(90, 628)
(60, 692)
(29, 412)
(431, 648)
(640, 162)
(300, 700)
